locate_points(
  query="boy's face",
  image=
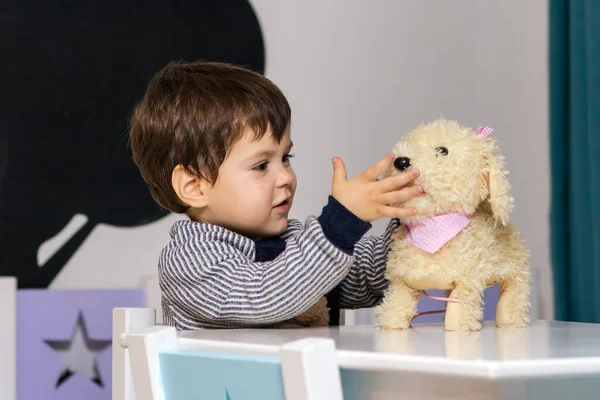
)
(255, 187)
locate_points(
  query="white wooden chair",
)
(8, 336)
(152, 362)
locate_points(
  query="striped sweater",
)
(211, 277)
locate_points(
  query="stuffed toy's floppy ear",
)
(499, 187)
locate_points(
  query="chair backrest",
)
(151, 362)
(189, 374)
(8, 344)
(151, 287)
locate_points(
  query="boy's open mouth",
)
(283, 203)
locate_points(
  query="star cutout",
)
(79, 353)
(227, 395)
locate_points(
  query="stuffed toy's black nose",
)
(402, 163)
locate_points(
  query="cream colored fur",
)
(471, 179)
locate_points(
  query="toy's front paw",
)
(390, 320)
(461, 317)
(464, 326)
(398, 307)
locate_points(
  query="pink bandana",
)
(435, 232)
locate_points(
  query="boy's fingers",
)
(375, 170)
(402, 195)
(339, 170)
(397, 181)
(397, 212)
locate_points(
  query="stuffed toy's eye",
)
(441, 151)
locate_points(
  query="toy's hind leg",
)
(398, 306)
(513, 308)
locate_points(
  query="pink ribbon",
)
(447, 299)
(484, 130)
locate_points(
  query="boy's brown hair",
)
(192, 113)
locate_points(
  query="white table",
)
(548, 360)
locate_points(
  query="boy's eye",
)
(261, 167)
(287, 157)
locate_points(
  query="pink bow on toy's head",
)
(484, 131)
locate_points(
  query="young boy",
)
(213, 141)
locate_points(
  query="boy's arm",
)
(365, 284)
(218, 283)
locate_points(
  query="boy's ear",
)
(190, 189)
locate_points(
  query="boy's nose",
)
(286, 178)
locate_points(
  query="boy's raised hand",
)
(369, 198)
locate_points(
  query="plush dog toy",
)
(461, 239)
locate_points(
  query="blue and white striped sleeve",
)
(365, 284)
(217, 282)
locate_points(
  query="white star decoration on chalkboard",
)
(79, 353)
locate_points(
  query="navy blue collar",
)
(269, 248)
